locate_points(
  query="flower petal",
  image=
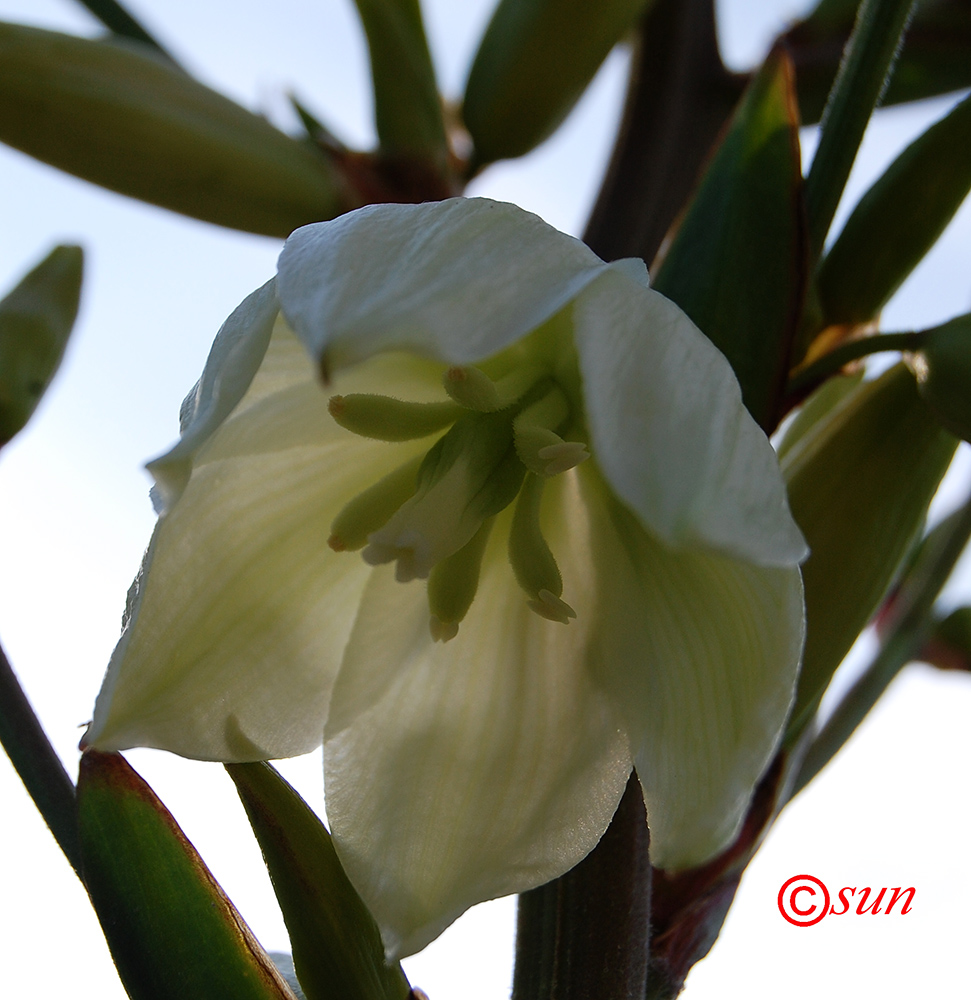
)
(455, 280)
(700, 653)
(233, 361)
(236, 624)
(669, 428)
(483, 766)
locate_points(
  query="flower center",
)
(503, 438)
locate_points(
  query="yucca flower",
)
(641, 608)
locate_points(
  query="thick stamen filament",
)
(373, 508)
(452, 585)
(386, 419)
(531, 558)
(471, 388)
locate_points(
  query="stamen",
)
(531, 558)
(452, 586)
(538, 445)
(387, 419)
(373, 508)
(472, 388)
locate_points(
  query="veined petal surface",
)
(235, 357)
(669, 428)
(237, 622)
(456, 280)
(700, 653)
(486, 765)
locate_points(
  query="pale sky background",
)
(75, 517)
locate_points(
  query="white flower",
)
(668, 636)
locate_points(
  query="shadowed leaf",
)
(736, 264)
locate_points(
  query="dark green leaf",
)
(172, 932)
(859, 484)
(117, 115)
(534, 61)
(898, 220)
(407, 108)
(337, 949)
(117, 20)
(36, 319)
(737, 262)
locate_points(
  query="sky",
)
(75, 517)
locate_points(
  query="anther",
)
(538, 445)
(471, 388)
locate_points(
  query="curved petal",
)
(233, 361)
(670, 430)
(455, 280)
(237, 621)
(700, 653)
(461, 771)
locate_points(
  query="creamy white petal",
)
(233, 361)
(239, 618)
(456, 280)
(700, 652)
(460, 771)
(669, 428)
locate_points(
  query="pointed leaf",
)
(859, 486)
(36, 319)
(898, 220)
(407, 107)
(116, 114)
(736, 263)
(935, 58)
(173, 933)
(337, 950)
(535, 60)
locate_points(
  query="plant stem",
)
(679, 97)
(585, 936)
(853, 350)
(912, 623)
(38, 765)
(867, 62)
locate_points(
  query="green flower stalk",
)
(612, 570)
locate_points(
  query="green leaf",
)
(36, 319)
(737, 262)
(860, 482)
(407, 108)
(533, 63)
(337, 950)
(118, 21)
(949, 645)
(116, 114)
(866, 66)
(172, 932)
(935, 58)
(898, 220)
(943, 367)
